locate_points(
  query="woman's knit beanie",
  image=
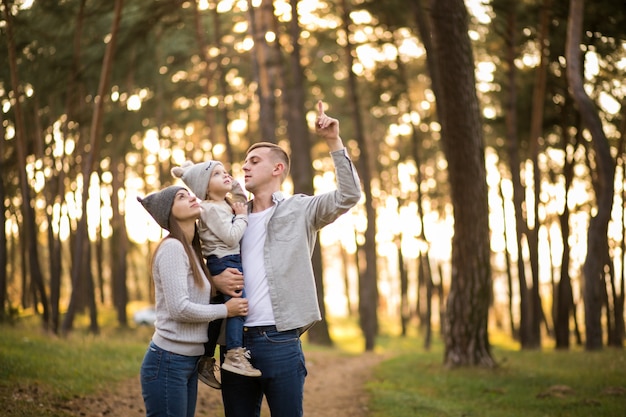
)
(159, 204)
(196, 176)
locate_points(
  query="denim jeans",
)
(234, 325)
(280, 358)
(169, 383)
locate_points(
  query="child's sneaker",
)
(236, 361)
(207, 372)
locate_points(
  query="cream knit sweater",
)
(183, 311)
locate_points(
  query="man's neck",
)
(262, 201)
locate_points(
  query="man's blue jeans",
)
(280, 358)
(169, 383)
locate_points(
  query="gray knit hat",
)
(159, 204)
(196, 176)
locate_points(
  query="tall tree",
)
(564, 297)
(302, 173)
(28, 211)
(597, 242)
(266, 64)
(466, 336)
(3, 235)
(368, 286)
(81, 253)
(536, 129)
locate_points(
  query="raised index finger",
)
(320, 108)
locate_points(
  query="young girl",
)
(169, 378)
(222, 225)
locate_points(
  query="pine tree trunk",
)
(266, 65)
(563, 298)
(3, 236)
(512, 140)
(368, 286)
(509, 268)
(466, 337)
(119, 248)
(80, 260)
(597, 242)
(536, 123)
(294, 112)
(28, 213)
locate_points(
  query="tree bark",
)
(509, 268)
(424, 268)
(28, 212)
(81, 253)
(615, 306)
(267, 67)
(3, 236)
(512, 139)
(222, 85)
(368, 286)
(466, 337)
(564, 298)
(597, 242)
(120, 246)
(294, 112)
(536, 124)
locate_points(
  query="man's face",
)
(258, 168)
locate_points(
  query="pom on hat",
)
(196, 176)
(159, 204)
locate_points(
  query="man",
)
(276, 253)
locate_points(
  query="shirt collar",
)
(277, 197)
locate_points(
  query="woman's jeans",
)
(278, 355)
(169, 383)
(234, 325)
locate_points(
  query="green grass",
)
(39, 373)
(527, 383)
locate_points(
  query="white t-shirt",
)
(260, 311)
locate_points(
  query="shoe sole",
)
(238, 371)
(212, 384)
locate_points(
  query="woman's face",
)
(185, 206)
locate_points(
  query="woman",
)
(169, 377)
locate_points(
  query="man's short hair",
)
(278, 154)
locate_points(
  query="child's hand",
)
(240, 208)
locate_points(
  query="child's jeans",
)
(234, 325)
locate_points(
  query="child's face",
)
(220, 182)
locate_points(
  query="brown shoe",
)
(207, 372)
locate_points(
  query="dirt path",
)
(334, 387)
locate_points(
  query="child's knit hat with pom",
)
(196, 176)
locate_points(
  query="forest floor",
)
(335, 386)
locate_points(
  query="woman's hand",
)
(229, 282)
(237, 307)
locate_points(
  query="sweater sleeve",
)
(237, 193)
(327, 207)
(221, 223)
(173, 272)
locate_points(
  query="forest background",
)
(488, 137)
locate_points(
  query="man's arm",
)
(325, 208)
